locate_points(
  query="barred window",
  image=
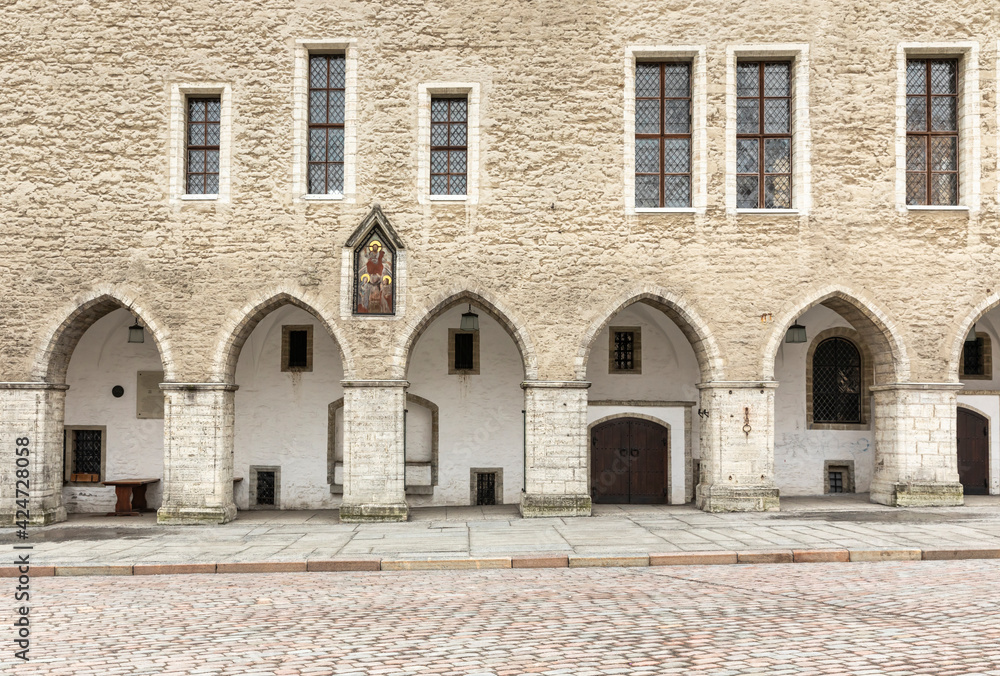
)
(625, 349)
(763, 135)
(327, 96)
(449, 141)
(203, 134)
(977, 358)
(837, 382)
(662, 135)
(932, 132)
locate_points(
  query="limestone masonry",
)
(527, 329)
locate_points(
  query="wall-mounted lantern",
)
(135, 333)
(796, 333)
(470, 320)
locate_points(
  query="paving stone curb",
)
(521, 561)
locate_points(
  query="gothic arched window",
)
(836, 382)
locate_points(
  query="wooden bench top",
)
(130, 482)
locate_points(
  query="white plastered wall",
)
(281, 417)
(481, 424)
(668, 380)
(799, 452)
(104, 358)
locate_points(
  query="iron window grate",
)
(87, 451)
(298, 349)
(265, 487)
(837, 382)
(464, 349)
(836, 481)
(486, 488)
(972, 357)
(624, 352)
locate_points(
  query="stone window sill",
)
(770, 212)
(332, 197)
(935, 207)
(200, 198)
(666, 210)
(448, 198)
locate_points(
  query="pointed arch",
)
(240, 324)
(52, 358)
(444, 301)
(706, 348)
(954, 342)
(881, 335)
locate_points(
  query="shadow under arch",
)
(954, 341)
(889, 353)
(694, 328)
(438, 305)
(53, 356)
(240, 324)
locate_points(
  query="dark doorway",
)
(973, 452)
(629, 462)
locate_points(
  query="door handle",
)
(635, 452)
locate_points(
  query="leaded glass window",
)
(327, 95)
(763, 135)
(837, 382)
(932, 132)
(662, 135)
(449, 145)
(204, 117)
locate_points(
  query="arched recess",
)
(706, 349)
(954, 341)
(53, 355)
(240, 324)
(507, 318)
(879, 333)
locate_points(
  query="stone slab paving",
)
(843, 522)
(939, 618)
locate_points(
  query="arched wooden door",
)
(973, 452)
(628, 462)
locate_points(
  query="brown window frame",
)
(662, 136)
(761, 137)
(325, 126)
(928, 134)
(449, 149)
(203, 148)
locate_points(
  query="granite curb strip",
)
(521, 561)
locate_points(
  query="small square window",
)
(977, 358)
(839, 476)
(296, 348)
(625, 349)
(463, 352)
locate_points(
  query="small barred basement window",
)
(836, 481)
(624, 349)
(839, 476)
(265, 487)
(486, 488)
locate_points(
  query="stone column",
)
(197, 453)
(737, 447)
(374, 471)
(32, 411)
(916, 446)
(556, 481)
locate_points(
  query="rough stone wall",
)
(84, 120)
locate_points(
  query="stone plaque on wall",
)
(148, 396)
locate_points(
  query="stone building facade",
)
(549, 239)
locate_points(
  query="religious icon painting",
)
(374, 273)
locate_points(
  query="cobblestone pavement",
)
(939, 618)
(807, 523)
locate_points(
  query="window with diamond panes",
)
(932, 132)
(763, 135)
(87, 453)
(203, 134)
(449, 140)
(837, 382)
(662, 135)
(327, 86)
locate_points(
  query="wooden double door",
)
(628, 462)
(973, 452)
